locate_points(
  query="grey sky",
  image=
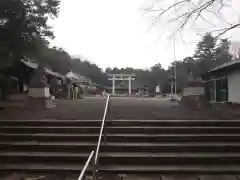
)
(115, 33)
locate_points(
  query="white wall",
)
(234, 87)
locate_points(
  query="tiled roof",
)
(34, 64)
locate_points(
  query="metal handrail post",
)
(94, 170)
(109, 109)
(108, 118)
(105, 128)
(101, 131)
(104, 136)
(81, 176)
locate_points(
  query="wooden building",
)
(16, 79)
(222, 84)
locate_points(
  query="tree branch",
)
(195, 12)
(228, 29)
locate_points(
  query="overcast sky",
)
(116, 33)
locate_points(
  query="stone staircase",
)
(132, 146)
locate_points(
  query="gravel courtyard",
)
(120, 108)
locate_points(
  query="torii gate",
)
(122, 77)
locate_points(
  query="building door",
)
(222, 90)
(210, 90)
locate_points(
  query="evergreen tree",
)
(205, 54)
(23, 24)
(222, 52)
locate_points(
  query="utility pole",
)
(172, 86)
(174, 56)
(175, 66)
(174, 78)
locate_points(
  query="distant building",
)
(77, 78)
(21, 73)
(222, 84)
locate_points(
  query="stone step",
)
(51, 122)
(42, 167)
(35, 146)
(161, 123)
(133, 146)
(196, 169)
(119, 129)
(124, 158)
(171, 169)
(58, 137)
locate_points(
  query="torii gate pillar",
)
(113, 85)
(129, 85)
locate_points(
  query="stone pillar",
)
(39, 94)
(113, 85)
(129, 85)
(69, 87)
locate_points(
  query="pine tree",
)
(205, 54)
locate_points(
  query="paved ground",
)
(120, 108)
(123, 177)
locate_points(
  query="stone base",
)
(39, 98)
(39, 92)
(39, 103)
(194, 95)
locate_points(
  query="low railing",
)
(102, 132)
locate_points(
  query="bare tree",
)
(186, 11)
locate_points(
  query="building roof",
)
(30, 62)
(76, 78)
(34, 65)
(226, 65)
